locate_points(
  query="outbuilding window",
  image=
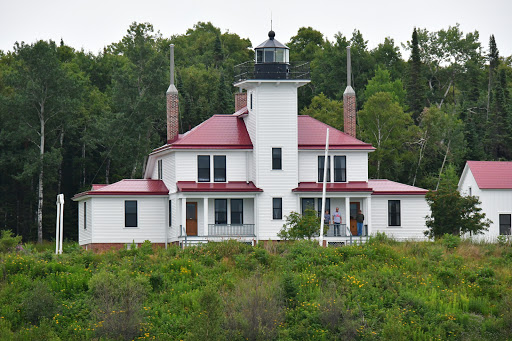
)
(130, 213)
(505, 220)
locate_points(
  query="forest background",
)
(71, 118)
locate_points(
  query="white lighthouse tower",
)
(271, 82)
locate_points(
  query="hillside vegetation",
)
(287, 291)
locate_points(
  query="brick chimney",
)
(240, 100)
(349, 102)
(173, 112)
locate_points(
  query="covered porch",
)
(345, 198)
(216, 217)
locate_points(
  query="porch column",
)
(368, 214)
(205, 217)
(183, 214)
(347, 212)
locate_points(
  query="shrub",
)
(299, 226)
(450, 241)
(39, 303)
(206, 325)
(8, 242)
(118, 301)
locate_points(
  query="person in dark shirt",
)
(359, 220)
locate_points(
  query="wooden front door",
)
(191, 218)
(354, 208)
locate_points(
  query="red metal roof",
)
(232, 186)
(312, 136)
(241, 112)
(384, 187)
(355, 186)
(376, 187)
(128, 187)
(492, 174)
(217, 132)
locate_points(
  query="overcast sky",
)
(93, 24)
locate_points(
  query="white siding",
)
(275, 108)
(357, 164)
(413, 209)
(84, 235)
(186, 165)
(493, 203)
(109, 226)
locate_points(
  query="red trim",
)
(355, 186)
(400, 193)
(344, 147)
(233, 186)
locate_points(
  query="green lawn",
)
(288, 291)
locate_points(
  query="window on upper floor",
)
(237, 211)
(160, 170)
(250, 100)
(394, 213)
(505, 224)
(203, 168)
(219, 168)
(321, 161)
(221, 211)
(276, 158)
(277, 208)
(130, 213)
(340, 169)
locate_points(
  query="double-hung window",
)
(277, 208)
(221, 211)
(276, 158)
(505, 220)
(130, 213)
(340, 169)
(321, 160)
(394, 213)
(308, 204)
(237, 211)
(170, 212)
(203, 168)
(219, 168)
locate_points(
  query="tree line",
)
(72, 118)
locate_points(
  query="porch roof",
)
(375, 187)
(232, 186)
(354, 186)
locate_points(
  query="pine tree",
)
(493, 64)
(415, 92)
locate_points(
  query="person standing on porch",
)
(359, 220)
(336, 219)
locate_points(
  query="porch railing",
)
(231, 230)
(223, 230)
(341, 230)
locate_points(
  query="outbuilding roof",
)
(492, 174)
(128, 187)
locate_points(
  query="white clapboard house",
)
(491, 182)
(237, 176)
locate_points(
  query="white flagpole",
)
(57, 227)
(61, 230)
(321, 238)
